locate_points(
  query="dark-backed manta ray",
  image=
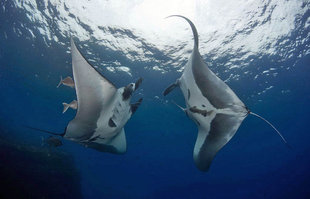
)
(211, 104)
(102, 109)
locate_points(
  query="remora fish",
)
(72, 105)
(68, 81)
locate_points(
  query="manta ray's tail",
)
(183, 109)
(45, 131)
(260, 117)
(60, 82)
(192, 26)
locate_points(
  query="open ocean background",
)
(259, 48)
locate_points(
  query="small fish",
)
(72, 105)
(68, 81)
(53, 141)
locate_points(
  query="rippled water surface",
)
(259, 48)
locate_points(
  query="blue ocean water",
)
(273, 81)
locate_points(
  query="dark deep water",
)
(160, 138)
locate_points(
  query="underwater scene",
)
(154, 99)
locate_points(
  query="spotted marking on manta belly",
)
(188, 94)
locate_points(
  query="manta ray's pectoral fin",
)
(116, 145)
(211, 138)
(93, 92)
(171, 87)
(136, 105)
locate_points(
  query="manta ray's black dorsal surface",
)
(102, 111)
(211, 104)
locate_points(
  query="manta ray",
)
(102, 109)
(211, 104)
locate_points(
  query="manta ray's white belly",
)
(193, 97)
(113, 117)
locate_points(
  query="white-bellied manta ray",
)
(102, 109)
(211, 104)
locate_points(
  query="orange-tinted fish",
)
(72, 105)
(68, 81)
